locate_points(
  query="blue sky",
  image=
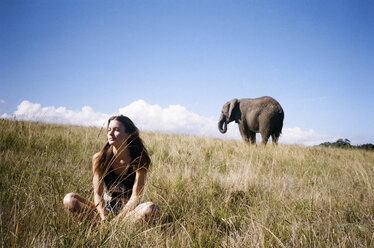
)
(315, 57)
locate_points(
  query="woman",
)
(119, 174)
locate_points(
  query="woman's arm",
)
(98, 187)
(137, 189)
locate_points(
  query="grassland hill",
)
(210, 192)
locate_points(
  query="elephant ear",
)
(233, 104)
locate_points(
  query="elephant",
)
(254, 115)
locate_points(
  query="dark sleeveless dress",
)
(119, 187)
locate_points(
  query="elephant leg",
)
(252, 137)
(274, 138)
(243, 133)
(265, 137)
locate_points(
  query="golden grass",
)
(210, 192)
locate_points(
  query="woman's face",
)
(116, 133)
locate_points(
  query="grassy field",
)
(210, 192)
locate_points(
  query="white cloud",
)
(35, 112)
(2, 101)
(172, 119)
(306, 137)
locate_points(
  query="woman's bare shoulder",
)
(96, 156)
(95, 162)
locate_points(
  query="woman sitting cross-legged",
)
(119, 174)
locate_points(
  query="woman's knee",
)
(70, 201)
(149, 208)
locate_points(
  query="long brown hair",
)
(138, 152)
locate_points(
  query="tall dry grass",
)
(210, 192)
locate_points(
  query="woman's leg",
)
(78, 204)
(143, 211)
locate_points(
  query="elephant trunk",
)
(222, 125)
